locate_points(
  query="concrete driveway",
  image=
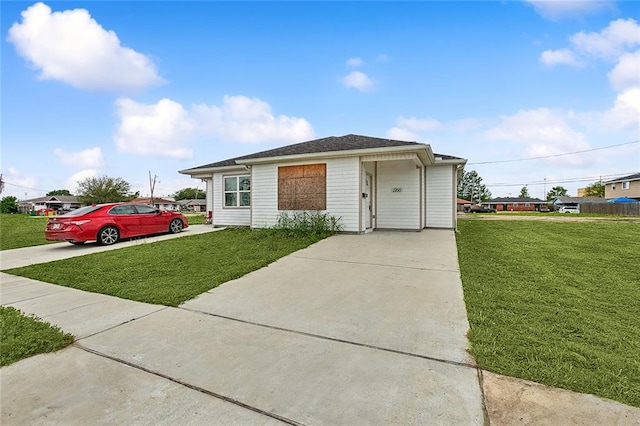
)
(358, 330)
(366, 329)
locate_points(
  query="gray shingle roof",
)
(635, 176)
(328, 144)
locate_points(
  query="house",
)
(159, 203)
(52, 202)
(515, 204)
(463, 205)
(626, 186)
(195, 205)
(367, 182)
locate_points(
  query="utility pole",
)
(152, 185)
(544, 195)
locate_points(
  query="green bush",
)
(308, 223)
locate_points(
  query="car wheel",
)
(108, 235)
(175, 226)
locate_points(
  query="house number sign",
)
(396, 189)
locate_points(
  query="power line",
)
(560, 180)
(556, 155)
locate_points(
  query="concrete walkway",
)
(367, 329)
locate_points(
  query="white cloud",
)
(162, 129)
(561, 56)
(382, 57)
(543, 132)
(398, 133)
(619, 36)
(625, 112)
(71, 46)
(359, 80)
(418, 124)
(355, 62)
(556, 10)
(17, 184)
(250, 120)
(72, 182)
(626, 73)
(88, 158)
(409, 129)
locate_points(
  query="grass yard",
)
(22, 336)
(173, 271)
(21, 230)
(555, 302)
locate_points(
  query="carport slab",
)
(73, 386)
(433, 249)
(306, 379)
(405, 309)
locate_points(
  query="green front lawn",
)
(21, 230)
(557, 303)
(22, 336)
(173, 271)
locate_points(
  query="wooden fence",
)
(618, 209)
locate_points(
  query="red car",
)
(108, 223)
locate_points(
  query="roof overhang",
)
(422, 151)
(206, 172)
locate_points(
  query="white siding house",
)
(369, 183)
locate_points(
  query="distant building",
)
(626, 186)
(58, 203)
(582, 192)
(515, 204)
(159, 203)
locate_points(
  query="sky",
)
(132, 89)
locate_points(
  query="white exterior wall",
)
(440, 203)
(398, 210)
(209, 194)
(228, 216)
(342, 192)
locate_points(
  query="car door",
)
(126, 219)
(151, 220)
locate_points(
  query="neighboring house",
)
(159, 203)
(463, 205)
(515, 204)
(576, 201)
(626, 186)
(196, 205)
(53, 202)
(369, 183)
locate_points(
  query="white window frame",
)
(237, 191)
(626, 184)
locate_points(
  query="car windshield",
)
(82, 210)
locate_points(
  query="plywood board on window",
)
(302, 187)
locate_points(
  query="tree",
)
(596, 189)
(524, 192)
(470, 187)
(189, 194)
(96, 190)
(58, 192)
(9, 204)
(556, 191)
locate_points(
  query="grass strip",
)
(22, 336)
(557, 303)
(21, 230)
(173, 271)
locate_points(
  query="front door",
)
(366, 201)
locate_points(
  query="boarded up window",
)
(302, 187)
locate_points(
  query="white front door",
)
(366, 201)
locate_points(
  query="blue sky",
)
(127, 88)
